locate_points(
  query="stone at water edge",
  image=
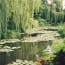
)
(13, 47)
(14, 63)
(26, 61)
(7, 47)
(30, 61)
(19, 61)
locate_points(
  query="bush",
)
(61, 30)
(12, 34)
(42, 22)
(60, 58)
(56, 17)
(58, 47)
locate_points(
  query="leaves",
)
(16, 15)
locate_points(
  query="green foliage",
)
(58, 5)
(60, 58)
(61, 30)
(58, 48)
(33, 24)
(57, 45)
(64, 15)
(12, 34)
(61, 26)
(47, 55)
(16, 15)
(56, 17)
(49, 14)
(22, 15)
(44, 11)
(62, 33)
(42, 22)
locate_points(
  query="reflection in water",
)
(23, 51)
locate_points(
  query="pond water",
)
(24, 51)
(27, 49)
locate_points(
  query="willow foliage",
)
(16, 14)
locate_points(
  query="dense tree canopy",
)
(18, 15)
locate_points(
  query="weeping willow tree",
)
(18, 15)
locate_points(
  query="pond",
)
(28, 49)
(25, 51)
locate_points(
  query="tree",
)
(18, 13)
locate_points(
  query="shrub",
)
(60, 58)
(61, 30)
(12, 34)
(58, 48)
(42, 22)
